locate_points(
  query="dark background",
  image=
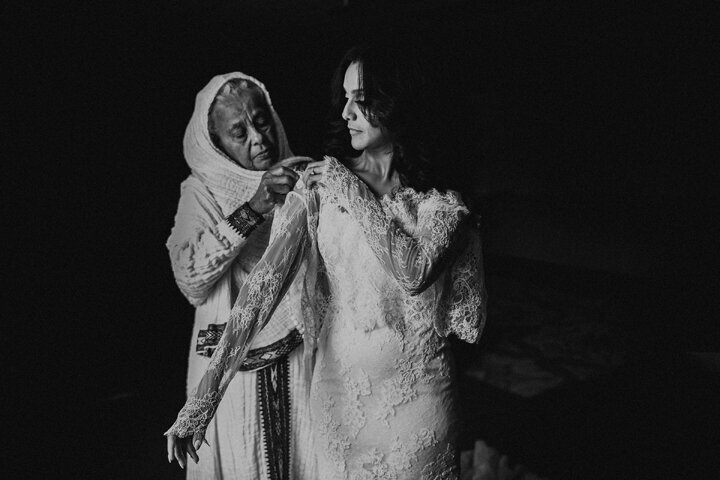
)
(591, 131)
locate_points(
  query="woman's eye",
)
(239, 135)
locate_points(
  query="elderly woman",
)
(241, 168)
(392, 266)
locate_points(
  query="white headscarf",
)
(230, 184)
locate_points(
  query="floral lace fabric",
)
(386, 282)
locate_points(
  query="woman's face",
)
(363, 136)
(244, 126)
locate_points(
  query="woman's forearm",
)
(201, 252)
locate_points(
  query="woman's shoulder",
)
(194, 191)
(194, 185)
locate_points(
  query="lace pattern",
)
(415, 236)
(401, 458)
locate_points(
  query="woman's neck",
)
(376, 169)
(378, 163)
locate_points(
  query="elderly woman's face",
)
(244, 126)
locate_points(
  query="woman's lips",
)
(354, 131)
(262, 156)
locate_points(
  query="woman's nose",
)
(255, 137)
(347, 113)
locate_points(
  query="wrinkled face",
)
(363, 136)
(244, 127)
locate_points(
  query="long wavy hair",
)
(397, 99)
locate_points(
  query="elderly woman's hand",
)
(314, 173)
(276, 183)
(180, 448)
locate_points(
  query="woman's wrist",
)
(244, 220)
(252, 204)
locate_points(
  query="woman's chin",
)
(357, 144)
(264, 163)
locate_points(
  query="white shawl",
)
(230, 184)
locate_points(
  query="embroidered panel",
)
(274, 396)
(257, 358)
(264, 356)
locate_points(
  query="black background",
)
(591, 127)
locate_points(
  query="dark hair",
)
(396, 98)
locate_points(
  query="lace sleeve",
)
(256, 301)
(463, 301)
(414, 258)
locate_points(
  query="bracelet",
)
(244, 220)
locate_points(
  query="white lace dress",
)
(392, 279)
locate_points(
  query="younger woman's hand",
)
(179, 448)
(314, 173)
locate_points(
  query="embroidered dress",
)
(210, 261)
(385, 282)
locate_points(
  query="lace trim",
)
(195, 415)
(462, 309)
